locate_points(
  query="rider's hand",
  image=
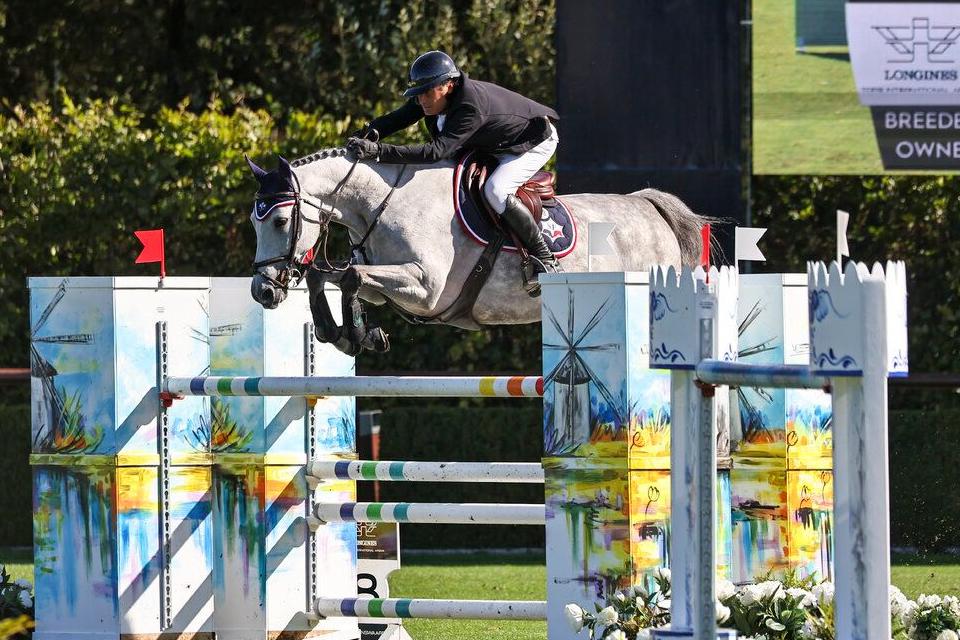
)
(363, 149)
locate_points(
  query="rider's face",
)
(433, 101)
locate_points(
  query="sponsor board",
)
(906, 64)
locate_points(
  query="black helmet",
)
(429, 70)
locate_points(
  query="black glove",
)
(363, 149)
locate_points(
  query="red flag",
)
(705, 248)
(152, 241)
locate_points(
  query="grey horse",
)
(410, 251)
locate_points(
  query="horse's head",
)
(285, 233)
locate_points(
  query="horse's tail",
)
(684, 223)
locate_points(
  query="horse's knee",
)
(350, 280)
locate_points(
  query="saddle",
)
(480, 223)
(535, 193)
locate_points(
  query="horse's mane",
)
(332, 152)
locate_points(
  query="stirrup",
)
(531, 268)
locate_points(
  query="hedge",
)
(16, 523)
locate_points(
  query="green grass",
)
(472, 577)
(807, 118)
(935, 573)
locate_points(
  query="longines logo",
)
(920, 39)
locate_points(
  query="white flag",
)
(598, 234)
(842, 249)
(746, 239)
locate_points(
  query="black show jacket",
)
(480, 115)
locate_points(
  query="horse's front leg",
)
(325, 326)
(355, 331)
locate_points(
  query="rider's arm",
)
(457, 130)
(389, 123)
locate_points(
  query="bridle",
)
(295, 267)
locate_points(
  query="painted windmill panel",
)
(248, 340)
(809, 412)
(585, 366)
(647, 406)
(761, 431)
(72, 366)
(236, 349)
(284, 422)
(96, 474)
(260, 445)
(334, 417)
(186, 314)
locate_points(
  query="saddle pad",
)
(556, 223)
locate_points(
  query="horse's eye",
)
(280, 221)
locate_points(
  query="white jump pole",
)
(431, 513)
(513, 472)
(360, 386)
(415, 608)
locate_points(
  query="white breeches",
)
(514, 170)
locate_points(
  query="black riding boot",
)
(520, 221)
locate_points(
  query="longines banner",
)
(855, 87)
(906, 65)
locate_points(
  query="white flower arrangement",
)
(791, 609)
(16, 597)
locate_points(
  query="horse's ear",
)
(284, 167)
(258, 173)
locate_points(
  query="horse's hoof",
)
(377, 340)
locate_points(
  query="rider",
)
(462, 113)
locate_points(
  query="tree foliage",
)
(338, 58)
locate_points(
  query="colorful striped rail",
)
(527, 472)
(450, 609)
(430, 513)
(360, 386)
